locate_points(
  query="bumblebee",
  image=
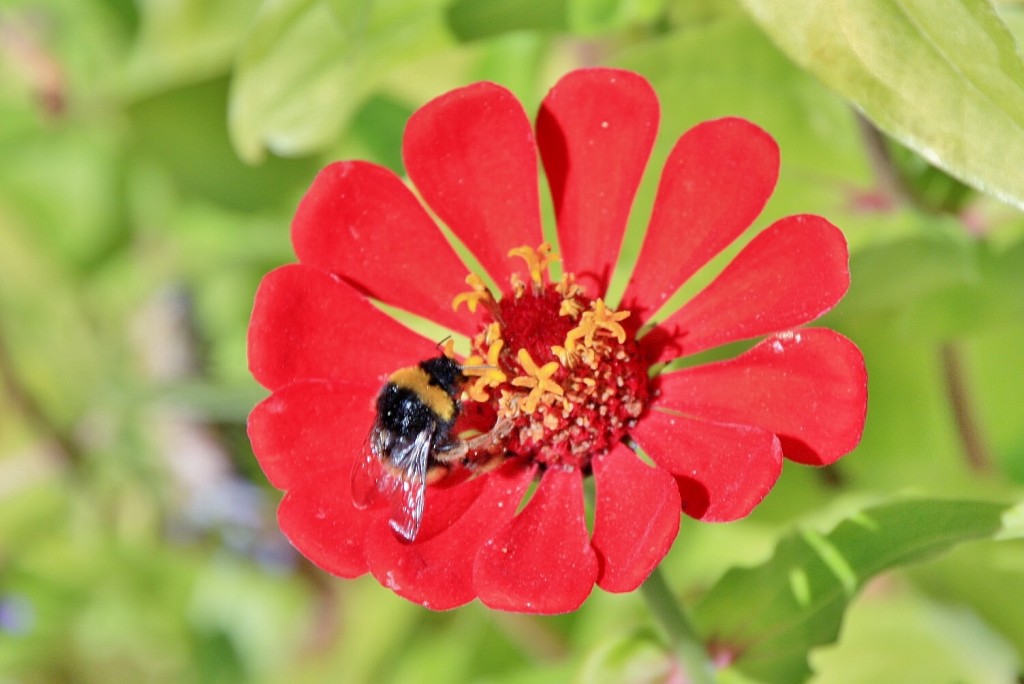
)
(416, 413)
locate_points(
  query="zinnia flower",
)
(567, 374)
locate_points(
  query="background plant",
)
(151, 156)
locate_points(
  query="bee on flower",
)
(560, 382)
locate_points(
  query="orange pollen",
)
(556, 365)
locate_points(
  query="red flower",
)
(568, 376)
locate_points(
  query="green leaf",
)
(378, 127)
(1013, 15)
(897, 262)
(596, 16)
(83, 163)
(351, 14)
(182, 132)
(982, 577)
(476, 19)
(942, 76)
(991, 301)
(764, 620)
(183, 41)
(307, 65)
(928, 277)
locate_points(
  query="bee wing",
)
(395, 469)
(405, 482)
(368, 471)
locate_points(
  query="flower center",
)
(554, 365)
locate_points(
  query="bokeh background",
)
(151, 155)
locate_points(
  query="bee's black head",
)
(445, 373)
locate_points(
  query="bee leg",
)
(453, 452)
(486, 449)
(500, 431)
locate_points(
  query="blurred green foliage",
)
(151, 155)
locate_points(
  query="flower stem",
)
(687, 645)
(887, 176)
(967, 423)
(24, 402)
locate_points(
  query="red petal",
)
(636, 518)
(807, 386)
(308, 324)
(541, 561)
(309, 427)
(595, 131)
(436, 570)
(472, 155)
(715, 183)
(307, 437)
(359, 221)
(791, 273)
(723, 471)
(319, 519)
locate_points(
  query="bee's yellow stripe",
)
(415, 379)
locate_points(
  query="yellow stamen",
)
(476, 392)
(585, 331)
(569, 307)
(508, 404)
(537, 260)
(608, 319)
(538, 379)
(564, 356)
(492, 334)
(567, 286)
(518, 286)
(599, 318)
(478, 294)
(487, 372)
